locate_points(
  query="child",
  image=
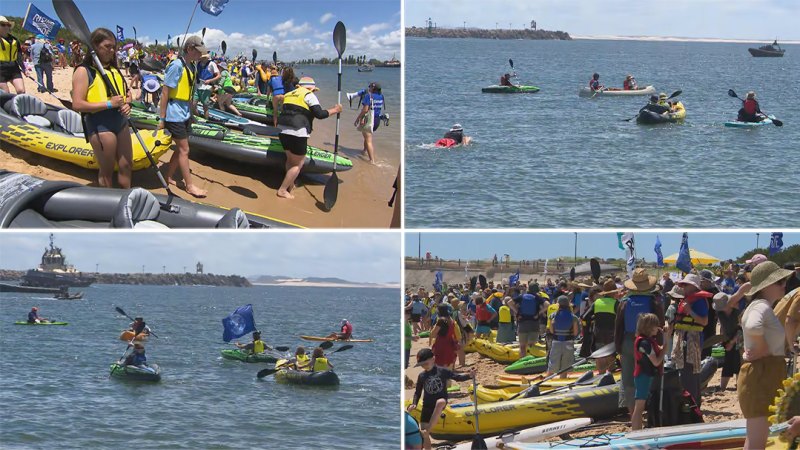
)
(257, 346)
(563, 329)
(484, 315)
(433, 380)
(319, 363)
(300, 360)
(649, 357)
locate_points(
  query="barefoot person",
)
(10, 58)
(300, 108)
(174, 109)
(105, 111)
(368, 119)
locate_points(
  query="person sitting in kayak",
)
(663, 100)
(594, 83)
(505, 80)
(319, 363)
(655, 106)
(345, 332)
(630, 83)
(139, 327)
(257, 346)
(138, 357)
(750, 111)
(33, 316)
(454, 137)
(300, 360)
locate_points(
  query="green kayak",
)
(532, 364)
(134, 373)
(497, 89)
(243, 355)
(259, 113)
(40, 323)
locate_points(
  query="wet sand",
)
(364, 191)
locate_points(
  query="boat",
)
(54, 270)
(67, 296)
(392, 63)
(615, 92)
(246, 356)
(366, 68)
(30, 202)
(769, 50)
(135, 373)
(40, 323)
(534, 434)
(323, 338)
(766, 120)
(305, 377)
(497, 89)
(647, 117)
(4, 287)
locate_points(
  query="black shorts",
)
(9, 72)
(415, 317)
(179, 130)
(376, 125)
(427, 413)
(104, 121)
(134, 69)
(732, 363)
(294, 144)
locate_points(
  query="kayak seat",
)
(29, 218)
(606, 380)
(137, 209)
(25, 105)
(235, 218)
(70, 121)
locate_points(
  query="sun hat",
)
(609, 287)
(707, 275)
(640, 281)
(719, 301)
(308, 83)
(751, 94)
(197, 43)
(756, 259)
(223, 65)
(691, 279)
(423, 355)
(676, 292)
(766, 274)
(151, 85)
(4, 20)
(457, 127)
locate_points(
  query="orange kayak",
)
(127, 335)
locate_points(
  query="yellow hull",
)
(499, 352)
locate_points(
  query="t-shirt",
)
(177, 111)
(434, 384)
(33, 316)
(760, 320)
(36, 51)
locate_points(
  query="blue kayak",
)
(736, 124)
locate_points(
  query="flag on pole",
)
(545, 266)
(213, 7)
(630, 252)
(238, 323)
(684, 261)
(169, 38)
(775, 243)
(466, 270)
(513, 280)
(38, 22)
(120, 34)
(619, 241)
(659, 255)
(437, 281)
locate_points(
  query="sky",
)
(546, 245)
(725, 19)
(296, 30)
(362, 257)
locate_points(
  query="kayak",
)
(305, 377)
(538, 349)
(586, 91)
(135, 373)
(458, 420)
(532, 364)
(323, 338)
(501, 393)
(30, 202)
(507, 380)
(57, 133)
(228, 119)
(500, 353)
(258, 113)
(41, 323)
(736, 124)
(646, 117)
(534, 434)
(246, 356)
(497, 89)
(127, 335)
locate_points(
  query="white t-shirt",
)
(760, 320)
(311, 100)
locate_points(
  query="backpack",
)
(45, 56)
(679, 407)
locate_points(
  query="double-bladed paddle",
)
(477, 442)
(732, 93)
(594, 265)
(121, 311)
(331, 192)
(674, 94)
(266, 372)
(224, 47)
(275, 57)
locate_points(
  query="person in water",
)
(257, 346)
(371, 103)
(594, 83)
(505, 80)
(750, 111)
(105, 112)
(454, 137)
(33, 316)
(138, 357)
(345, 331)
(630, 83)
(319, 363)
(300, 360)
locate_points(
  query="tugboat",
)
(773, 50)
(54, 271)
(393, 63)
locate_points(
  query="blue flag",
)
(213, 7)
(437, 282)
(513, 280)
(659, 255)
(238, 323)
(684, 261)
(38, 22)
(775, 243)
(120, 34)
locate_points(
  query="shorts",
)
(483, 329)
(179, 130)
(415, 317)
(134, 69)
(109, 120)
(528, 326)
(9, 72)
(427, 413)
(562, 355)
(601, 339)
(642, 383)
(203, 96)
(294, 144)
(407, 355)
(758, 384)
(732, 363)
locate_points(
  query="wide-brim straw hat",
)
(766, 274)
(676, 292)
(692, 279)
(609, 287)
(641, 281)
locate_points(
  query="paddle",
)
(601, 352)
(584, 380)
(72, 18)
(224, 47)
(265, 372)
(594, 265)
(732, 93)
(130, 343)
(203, 34)
(473, 283)
(178, 42)
(331, 192)
(482, 282)
(572, 274)
(121, 311)
(275, 57)
(254, 55)
(477, 441)
(674, 94)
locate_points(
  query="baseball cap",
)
(758, 258)
(423, 355)
(197, 43)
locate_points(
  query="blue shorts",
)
(642, 383)
(104, 121)
(483, 329)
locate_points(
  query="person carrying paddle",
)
(319, 363)
(11, 58)
(432, 386)
(594, 83)
(750, 110)
(257, 346)
(138, 357)
(369, 119)
(649, 357)
(105, 115)
(175, 112)
(564, 329)
(33, 316)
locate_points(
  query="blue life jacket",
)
(562, 325)
(417, 307)
(276, 82)
(377, 104)
(529, 307)
(637, 304)
(203, 73)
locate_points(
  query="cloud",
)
(326, 17)
(288, 27)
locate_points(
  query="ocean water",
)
(55, 391)
(552, 159)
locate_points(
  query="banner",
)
(437, 281)
(238, 323)
(630, 252)
(213, 7)
(545, 266)
(120, 34)
(775, 243)
(659, 255)
(684, 261)
(40, 23)
(619, 241)
(513, 280)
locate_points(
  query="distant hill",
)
(282, 280)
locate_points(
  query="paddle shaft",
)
(66, 103)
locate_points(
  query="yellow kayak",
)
(503, 392)
(499, 352)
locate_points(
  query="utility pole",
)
(97, 268)
(164, 268)
(419, 248)
(576, 249)
(465, 25)
(142, 269)
(757, 235)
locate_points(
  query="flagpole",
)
(190, 22)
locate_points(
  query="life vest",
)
(295, 112)
(258, 346)
(552, 309)
(637, 305)
(605, 314)
(593, 84)
(203, 72)
(347, 330)
(638, 356)
(262, 74)
(446, 143)
(9, 49)
(504, 314)
(276, 83)
(320, 364)
(376, 104)
(98, 91)
(683, 320)
(750, 107)
(183, 92)
(529, 307)
(417, 307)
(562, 325)
(482, 314)
(302, 360)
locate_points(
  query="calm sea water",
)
(552, 159)
(55, 391)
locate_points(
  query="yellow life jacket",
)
(321, 365)
(302, 360)
(297, 98)
(9, 49)
(258, 346)
(264, 75)
(183, 92)
(98, 91)
(504, 314)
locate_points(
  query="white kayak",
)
(615, 92)
(534, 434)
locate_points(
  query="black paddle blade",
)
(152, 65)
(282, 348)
(224, 47)
(326, 345)
(331, 191)
(778, 123)
(594, 265)
(473, 282)
(342, 348)
(511, 62)
(204, 32)
(134, 31)
(572, 274)
(676, 93)
(178, 42)
(121, 311)
(156, 42)
(588, 375)
(339, 38)
(732, 93)
(478, 443)
(72, 18)
(482, 281)
(266, 372)
(275, 57)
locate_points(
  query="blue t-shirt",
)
(377, 103)
(578, 298)
(700, 307)
(177, 110)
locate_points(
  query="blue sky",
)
(364, 257)
(295, 30)
(728, 19)
(603, 244)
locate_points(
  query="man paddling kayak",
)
(594, 83)
(505, 80)
(33, 316)
(454, 137)
(630, 83)
(655, 106)
(138, 357)
(345, 332)
(257, 346)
